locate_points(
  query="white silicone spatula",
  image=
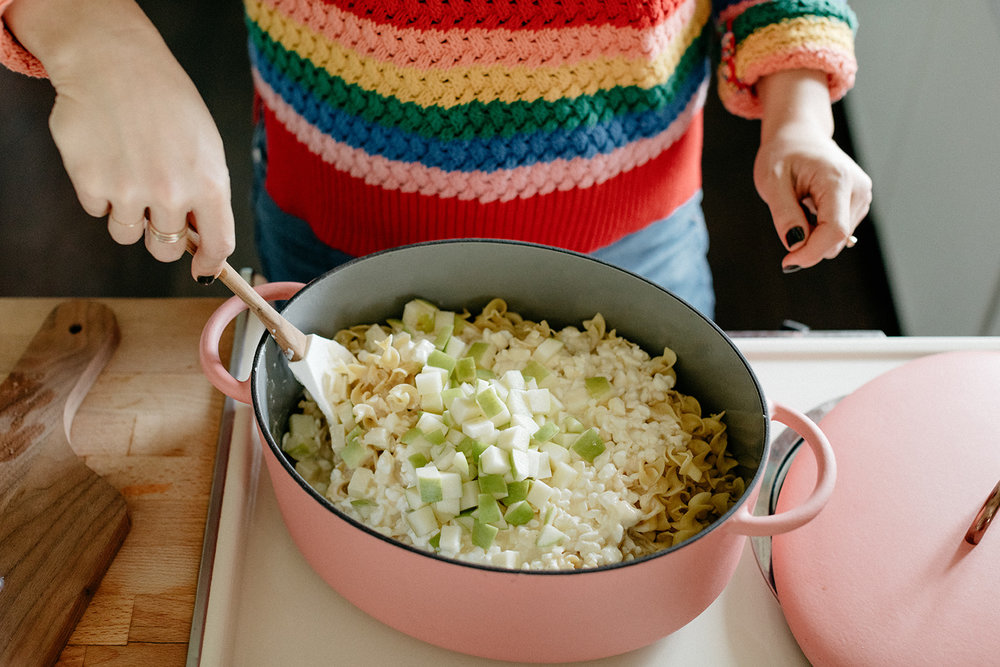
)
(313, 360)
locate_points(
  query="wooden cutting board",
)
(60, 523)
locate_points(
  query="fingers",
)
(164, 228)
(837, 215)
(218, 240)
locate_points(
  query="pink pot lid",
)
(884, 575)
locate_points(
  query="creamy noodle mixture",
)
(501, 441)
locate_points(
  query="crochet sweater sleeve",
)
(14, 56)
(760, 37)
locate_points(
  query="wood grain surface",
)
(149, 426)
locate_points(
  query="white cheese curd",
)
(500, 441)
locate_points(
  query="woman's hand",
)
(799, 164)
(136, 138)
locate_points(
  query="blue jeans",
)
(671, 252)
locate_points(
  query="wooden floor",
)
(52, 248)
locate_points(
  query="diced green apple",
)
(354, 454)
(439, 359)
(598, 387)
(589, 445)
(455, 347)
(481, 429)
(550, 536)
(545, 432)
(489, 509)
(430, 484)
(465, 370)
(493, 485)
(520, 464)
(539, 401)
(546, 350)
(494, 461)
(423, 521)
(538, 494)
(516, 491)
(533, 369)
(362, 483)
(514, 437)
(470, 495)
(451, 538)
(420, 315)
(563, 475)
(413, 498)
(491, 405)
(442, 335)
(513, 380)
(519, 513)
(483, 534)
(430, 381)
(464, 410)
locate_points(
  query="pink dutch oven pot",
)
(487, 611)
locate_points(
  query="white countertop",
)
(267, 607)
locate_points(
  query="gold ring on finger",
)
(126, 225)
(165, 237)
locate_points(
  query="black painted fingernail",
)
(791, 268)
(206, 280)
(795, 235)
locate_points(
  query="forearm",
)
(794, 100)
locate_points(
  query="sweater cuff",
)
(13, 56)
(821, 44)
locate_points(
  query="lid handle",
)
(984, 517)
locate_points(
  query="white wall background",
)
(925, 118)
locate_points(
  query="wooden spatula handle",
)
(288, 337)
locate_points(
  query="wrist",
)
(69, 36)
(795, 100)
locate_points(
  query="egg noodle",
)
(501, 441)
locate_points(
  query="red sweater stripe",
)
(510, 14)
(303, 185)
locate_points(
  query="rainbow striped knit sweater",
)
(567, 122)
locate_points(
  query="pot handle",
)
(826, 473)
(208, 347)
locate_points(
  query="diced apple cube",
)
(563, 475)
(508, 559)
(546, 350)
(423, 521)
(513, 380)
(362, 483)
(464, 410)
(519, 513)
(539, 401)
(494, 485)
(447, 509)
(538, 494)
(431, 380)
(550, 536)
(489, 509)
(413, 498)
(430, 484)
(520, 464)
(451, 485)
(494, 461)
(483, 534)
(481, 429)
(451, 539)
(514, 437)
